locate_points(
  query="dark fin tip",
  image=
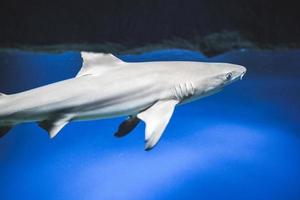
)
(4, 130)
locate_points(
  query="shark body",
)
(107, 87)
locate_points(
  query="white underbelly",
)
(116, 109)
(87, 102)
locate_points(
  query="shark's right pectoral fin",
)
(53, 126)
(127, 126)
(157, 118)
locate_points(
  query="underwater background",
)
(242, 143)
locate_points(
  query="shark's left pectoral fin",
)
(157, 118)
(53, 126)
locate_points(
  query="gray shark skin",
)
(107, 87)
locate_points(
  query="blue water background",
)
(242, 143)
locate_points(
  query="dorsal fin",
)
(2, 96)
(95, 63)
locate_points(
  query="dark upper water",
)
(242, 143)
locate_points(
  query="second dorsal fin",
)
(95, 63)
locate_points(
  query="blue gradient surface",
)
(242, 143)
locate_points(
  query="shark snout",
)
(242, 72)
(239, 71)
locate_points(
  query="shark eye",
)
(228, 76)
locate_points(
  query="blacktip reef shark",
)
(108, 87)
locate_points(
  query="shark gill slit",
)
(183, 90)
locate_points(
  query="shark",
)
(107, 87)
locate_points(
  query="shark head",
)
(226, 74)
(212, 78)
(217, 77)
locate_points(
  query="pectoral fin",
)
(157, 118)
(53, 126)
(127, 126)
